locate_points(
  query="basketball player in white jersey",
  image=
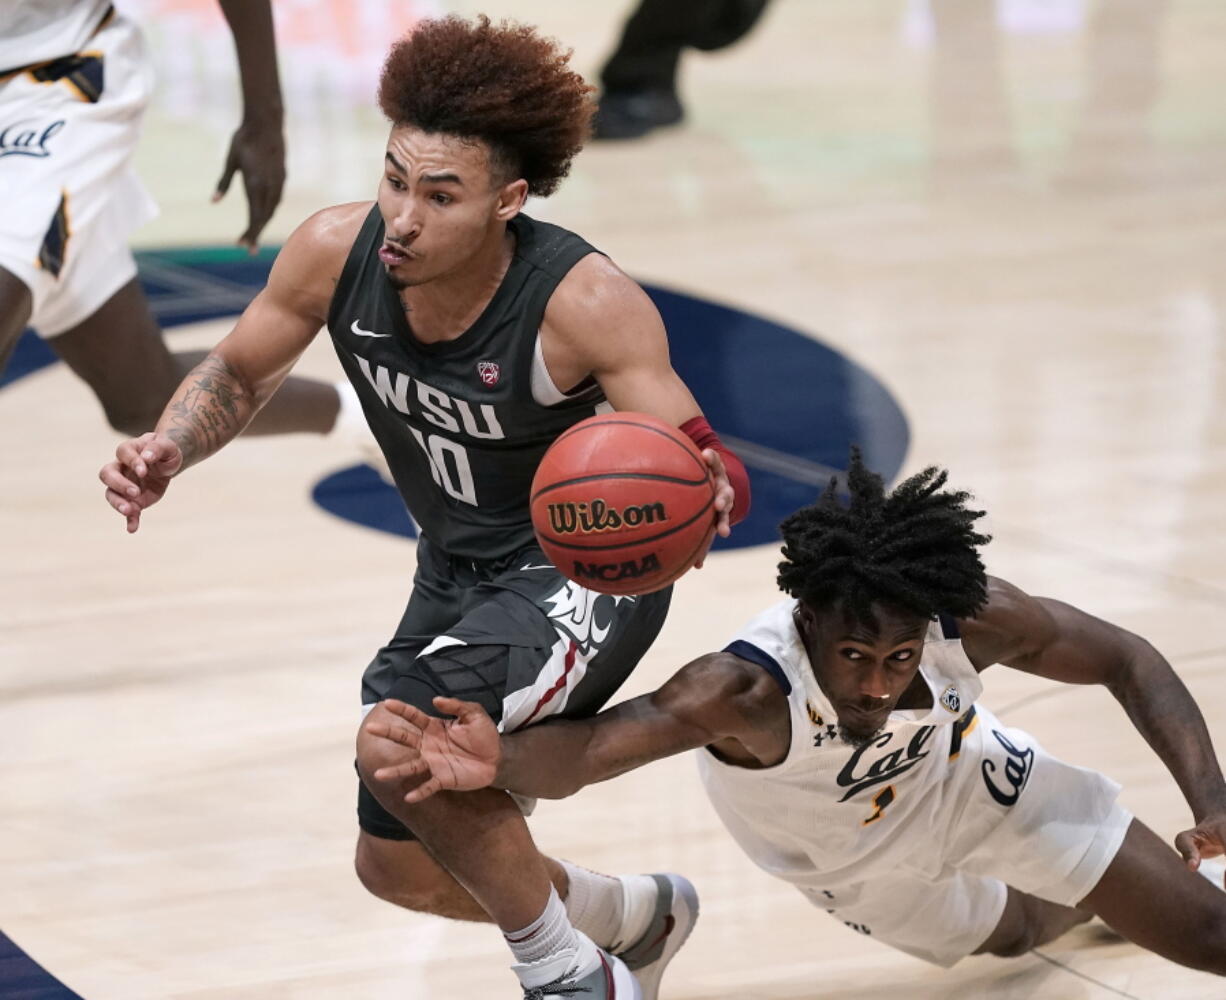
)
(843, 745)
(74, 82)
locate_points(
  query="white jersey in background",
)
(33, 31)
(913, 837)
(68, 129)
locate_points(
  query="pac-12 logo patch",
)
(950, 699)
(489, 372)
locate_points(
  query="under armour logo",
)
(830, 733)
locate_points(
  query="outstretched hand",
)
(456, 755)
(258, 152)
(139, 475)
(1205, 840)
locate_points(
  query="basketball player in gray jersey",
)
(844, 746)
(474, 336)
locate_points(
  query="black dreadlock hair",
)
(914, 549)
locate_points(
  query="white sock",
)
(613, 911)
(547, 936)
(639, 895)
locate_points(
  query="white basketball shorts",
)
(71, 198)
(1051, 833)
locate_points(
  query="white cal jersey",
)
(34, 31)
(934, 791)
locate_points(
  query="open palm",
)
(448, 755)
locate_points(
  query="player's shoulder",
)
(597, 278)
(596, 295)
(1010, 622)
(1007, 607)
(331, 231)
(312, 259)
(734, 681)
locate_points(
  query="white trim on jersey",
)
(548, 695)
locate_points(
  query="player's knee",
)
(129, 426)
(132, 416)
(1018, 942)
(129, 410)
(15, 305)
(373, 752)
(1020, 929)
(1210, 942)
(414, 887)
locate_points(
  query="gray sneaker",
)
(590, 974)
(675, 916)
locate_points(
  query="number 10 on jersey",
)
(449, 466)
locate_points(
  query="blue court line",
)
(22, 978)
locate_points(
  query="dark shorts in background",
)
(513, 635)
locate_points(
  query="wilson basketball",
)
(623, 503)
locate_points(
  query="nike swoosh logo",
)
(530, 566)
(366, 333)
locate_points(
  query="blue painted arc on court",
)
(788, 405)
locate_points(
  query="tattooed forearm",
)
(211, 407)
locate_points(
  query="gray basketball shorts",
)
(511, 634)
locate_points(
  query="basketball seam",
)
(579, 428)
(689, 562)
(616, 477)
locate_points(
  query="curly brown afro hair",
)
(503, 85)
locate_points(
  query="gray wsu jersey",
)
(458, 421)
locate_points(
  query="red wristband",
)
(701, 433)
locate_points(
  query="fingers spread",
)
(410, 713)
(406, 736)
(423, 791)
(398, 772)
(465, 710)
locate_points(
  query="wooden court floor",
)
(1013, 214)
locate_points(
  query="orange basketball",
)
(623, 503)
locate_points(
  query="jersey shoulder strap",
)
(357, 265)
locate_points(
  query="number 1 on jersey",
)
(882, 799)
